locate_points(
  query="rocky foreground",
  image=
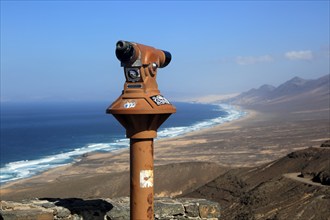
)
(108, 209)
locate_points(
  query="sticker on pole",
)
(146, 178)
(160, 100)
(130, 104)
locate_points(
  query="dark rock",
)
(326, 144)
(323, 177)
(307, 153)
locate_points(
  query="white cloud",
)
(253, 60)
(299, 55)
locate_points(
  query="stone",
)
(76, 217)
(168, 207)
(62, 212)
(48, 205)
(208, 209)
(191, 206)
(32, 214)
(191, 210)
(118, 213)
(23, 211)
(120, 210)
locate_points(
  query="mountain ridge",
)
(295, 92)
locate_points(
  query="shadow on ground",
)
(88, 209)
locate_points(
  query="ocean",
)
(36, 137)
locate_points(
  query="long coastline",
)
(234, 113)
(257, 138)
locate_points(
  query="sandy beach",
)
(190, 160)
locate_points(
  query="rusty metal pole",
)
(141, 109)
(142, 179)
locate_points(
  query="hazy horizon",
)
(64, 51)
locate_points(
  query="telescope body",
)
(141, 110)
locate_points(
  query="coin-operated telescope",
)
(141, 109)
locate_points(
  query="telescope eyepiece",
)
(124, 51)
(168, 58)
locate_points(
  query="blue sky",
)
(64, 50)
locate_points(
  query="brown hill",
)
(188, 176)
(282, 189)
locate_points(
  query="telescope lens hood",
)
(124, 51)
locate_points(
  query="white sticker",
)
(146, 178)
(160, 100)
(130, 104)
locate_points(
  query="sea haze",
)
(39, 136)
